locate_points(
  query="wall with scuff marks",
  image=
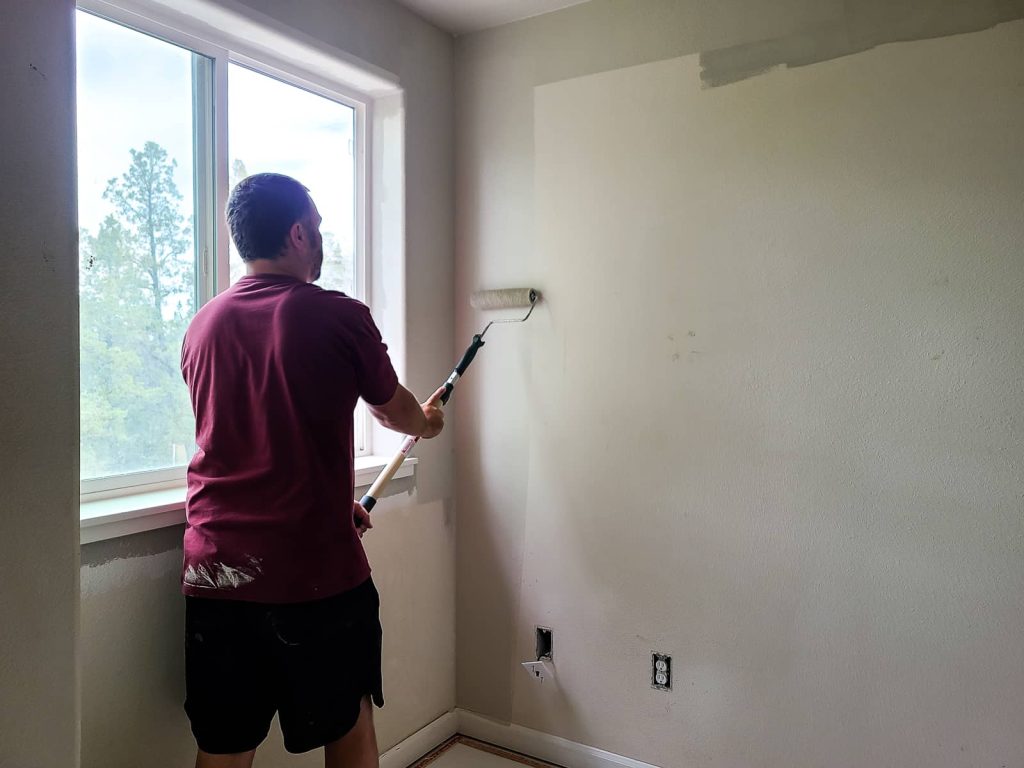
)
(38, 388)
(133, 663)
(769, 419)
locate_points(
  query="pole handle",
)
(460, 369)
(369, 500)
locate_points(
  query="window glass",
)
(277, 127)
(137, 247)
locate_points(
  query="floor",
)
(463, 752)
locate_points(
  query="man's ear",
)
(297, 234)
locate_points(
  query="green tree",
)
(147, 204)
(136, 297)
(337, 272)
(238, 172)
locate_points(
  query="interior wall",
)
(768, 420)
(133, 653)
(131, 610)
(39, 381)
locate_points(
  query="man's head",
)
(276, 226)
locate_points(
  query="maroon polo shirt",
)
(275, 367)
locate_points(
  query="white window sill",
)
(137, 512)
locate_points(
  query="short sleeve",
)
(375, 376)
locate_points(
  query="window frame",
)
(212, 174)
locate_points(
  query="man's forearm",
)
(402, 413)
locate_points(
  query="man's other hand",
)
(362, 518)
(403, 413)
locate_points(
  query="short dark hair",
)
(261, 210)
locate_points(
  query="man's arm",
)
(404, 414)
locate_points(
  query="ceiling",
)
(462, 16)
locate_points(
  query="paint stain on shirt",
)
(222, 575)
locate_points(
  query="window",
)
(139, 251)
(308, 137)
(311, 138)
(154, 119)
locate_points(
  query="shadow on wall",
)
(865, 24)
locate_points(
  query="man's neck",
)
(280, 266)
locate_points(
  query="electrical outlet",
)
(545, 644)
(540, 670)
(661, 672)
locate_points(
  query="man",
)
(281, 613)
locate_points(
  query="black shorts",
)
(312, 663)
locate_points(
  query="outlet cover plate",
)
(661, 671)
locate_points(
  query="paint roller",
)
(504, 299)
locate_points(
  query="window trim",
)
(130, 483)
(222, 48)
(146, 510)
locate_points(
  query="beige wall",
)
(130, 650)
(769, 420)
(39, 386)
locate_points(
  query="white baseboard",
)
(543, 746)
(408, 751)
(553, 749)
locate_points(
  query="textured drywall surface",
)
(496, 73)
(769, 419)
(132, 610)
(39, 388)
(133, 656)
